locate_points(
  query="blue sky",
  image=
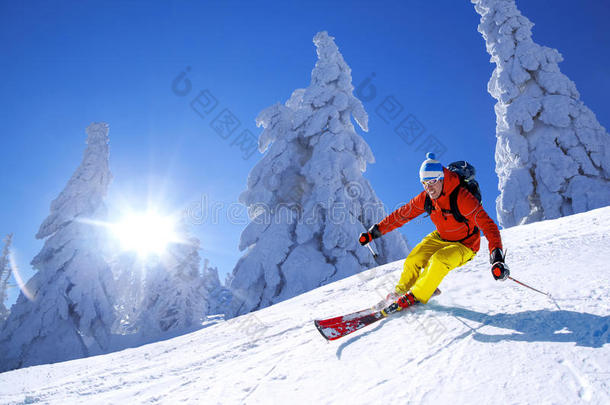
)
(66, 64)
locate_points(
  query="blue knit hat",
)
(431, 168)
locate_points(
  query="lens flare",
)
(20, 282)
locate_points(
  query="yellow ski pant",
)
(428, 263)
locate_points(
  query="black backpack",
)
(466, 173)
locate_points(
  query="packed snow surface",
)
(483, 340)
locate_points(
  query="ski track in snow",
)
(493, 342)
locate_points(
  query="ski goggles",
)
(431, 182)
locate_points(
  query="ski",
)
(354, 315)
(337, 327)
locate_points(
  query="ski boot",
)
(401, 303)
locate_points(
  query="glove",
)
(366, 237)
(499, 270)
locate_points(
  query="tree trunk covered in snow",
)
(307, 198)
(552, 156)
(65, 311)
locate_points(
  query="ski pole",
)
(368, 244)
(372, 252)
(538, 291)
(531, 288)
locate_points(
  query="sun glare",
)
(147, 233)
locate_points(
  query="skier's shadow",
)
(358, 337)
(537, 326)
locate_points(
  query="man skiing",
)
(456, 239)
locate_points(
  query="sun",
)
(145, 233)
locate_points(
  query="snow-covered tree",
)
(5, 275)
(307, 198)
(552, 156)
(218, 295)
(174, 299)
(66, 310)
(129, 272)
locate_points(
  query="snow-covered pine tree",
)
(70, 312)
(5, 275)
(174, 299)
(218, 295)
(552, 156)
(129, 272)
(307, 198)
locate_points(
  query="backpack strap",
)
(474, 231)
(455, 210)
(428, 205)
(453, 197)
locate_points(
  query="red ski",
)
(340, 328)
(337, 327)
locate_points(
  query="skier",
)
(455, 241)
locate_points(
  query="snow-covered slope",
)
(493, 342)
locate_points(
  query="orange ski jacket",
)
(448, 227)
